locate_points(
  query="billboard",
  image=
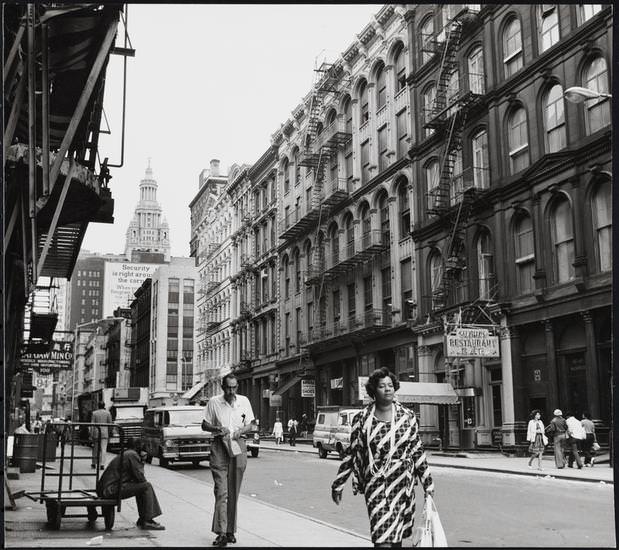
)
(471, 342)
(120, 282)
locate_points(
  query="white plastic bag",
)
(430, 533)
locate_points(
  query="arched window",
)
(381, 88)
(453, 88)
(286, 171)
(597, 110)
(399, 63)
(431, 183)
(348, 115)
(477, 75)
(286, 263)
(485, 265)
(436, 277)
(366, 226)
(548, 26)
(335, 246)
(601, 214)
(297, 270)
(350, 237)
(297, 167)
(524, 248)
(348, 164)
(404, 209)
(562, 234)
(512, 47)
(587, 11)
(479, 145)
(309, 259)
(429, 97)
(427, 37)
(554, 119)
(364, 111)
(331, 118)
(383, 209)
(518, 140)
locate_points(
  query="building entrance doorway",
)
(575, 379)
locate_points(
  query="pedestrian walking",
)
(590, 439)
(303, 425)
(293, 427)
(99, 436)
(575, 437)
(128, 467)
(278, 431)
(384, 457)
(37, 425)
(229, 416)
(537, 438)
(557, 429)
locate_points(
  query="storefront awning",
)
(287, 385)
(191, 393)
(428, 393)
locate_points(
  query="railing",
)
(371, 319)
(470, 178)
(334, 134)
(382, 116)
(400, 100)
(246, 309)
(364, 131)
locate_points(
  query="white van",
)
(332, 429)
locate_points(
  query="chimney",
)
(214, 167)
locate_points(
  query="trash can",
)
(26, 452)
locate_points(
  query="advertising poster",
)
(121, 281)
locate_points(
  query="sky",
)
(207, 82)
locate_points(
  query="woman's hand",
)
(336, 496)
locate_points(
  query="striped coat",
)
(389, 495)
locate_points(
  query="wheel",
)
(108, 516)
(322, 453)
(54, 514)
(195, 462)
(254, 452)
(340, 451)
(92, 513)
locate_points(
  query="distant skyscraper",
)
(148, 232)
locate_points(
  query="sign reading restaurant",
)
(471, 342)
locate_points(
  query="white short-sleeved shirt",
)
(219, 412)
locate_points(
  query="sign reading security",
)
(121, 281)
(472, 342)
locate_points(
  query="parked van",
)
(174, 434)
(332, 429)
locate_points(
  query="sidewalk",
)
(490, 462)
(188, 508)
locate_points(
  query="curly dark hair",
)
(533, 413)
(377, 375)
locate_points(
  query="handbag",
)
(595, 446)
(431, 533)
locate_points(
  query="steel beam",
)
(45, 107)
(9, 230)
(8, 66)
(32, 136)
(14, 115)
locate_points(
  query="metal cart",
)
(58, 500)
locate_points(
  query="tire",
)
(195, 462)
(322, 453)
(109, 514)
(254, 452)
(54, 514)
(92, 513)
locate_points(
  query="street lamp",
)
(577, 94)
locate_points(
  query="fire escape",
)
(451, 199)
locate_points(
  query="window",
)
(351, 300)
(456, 187)
(298, 327)
(597, 110)
(485, 266)
(453, 89)
(385, 276)
(350, 237)
(481, 174)
(427, 36)
(477, 80)
(367, 293)
(349, 167)
(436, 271)
(383, 160)
(286, 171)
(402, 130)
(429, 97)
(554, 119)
(601, 204)
(366, 227)
(587, 11)
(297, 268)
(381, 88)
(399, 62)
(333, 173)
(287, 332)
(297, 168)
(404, 209)
(432, 183)
(383, 209)
(406, 274)
(549, 26)
(173, 290)
(365, 161)
(336, 307)
(512, 48)
(518, 140)
(364, 111)
(562, 234)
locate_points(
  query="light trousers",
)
(99, 448)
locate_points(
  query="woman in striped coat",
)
(384, 457)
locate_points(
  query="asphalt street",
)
(477, 508)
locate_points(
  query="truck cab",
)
(332, 429)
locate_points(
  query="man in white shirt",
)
(229, 416)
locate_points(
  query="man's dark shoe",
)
(139, 522)
(221, 540)
(152, 525)
(231, 538)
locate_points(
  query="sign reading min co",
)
(471, 342)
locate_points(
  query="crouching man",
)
(133, 484)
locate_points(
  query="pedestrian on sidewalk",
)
(303, 425)
(557, 429)
(590, 439)
(37, 425)
(384, 457)
(229, 417)
(278, 431)
(536, 437)
(100, 436)
(132, 484)
(292, 431)
(575, 436)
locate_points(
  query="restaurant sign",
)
(471, 342)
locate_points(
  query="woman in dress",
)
(537, 439)
(278, 431)
(384, 456)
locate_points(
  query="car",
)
(332, 430)
(253, 443)
(174, 434)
